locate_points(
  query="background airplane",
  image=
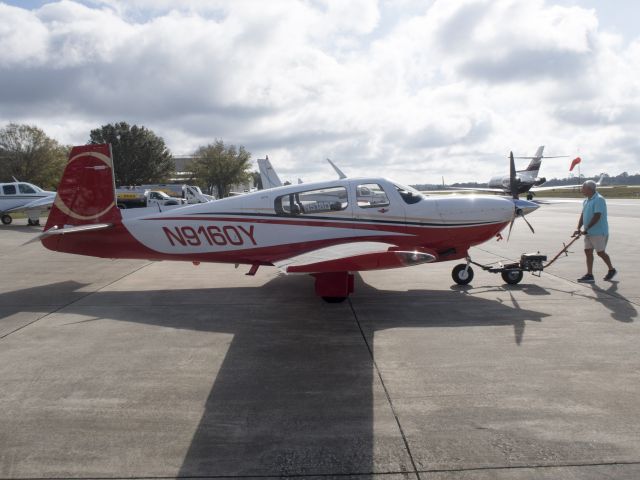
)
(22, 197)
(324, 229)
(517, 182)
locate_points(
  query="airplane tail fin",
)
(86, 194)
(268, 175)
(536, 160)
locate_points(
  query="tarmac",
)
(138, 369)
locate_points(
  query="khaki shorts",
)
(595, 242)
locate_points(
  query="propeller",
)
(513, 186)
(513, 181)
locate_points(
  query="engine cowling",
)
(539, 181)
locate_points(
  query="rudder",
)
(86, 193)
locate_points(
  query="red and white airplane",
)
(326, 229)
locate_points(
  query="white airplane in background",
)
(518, 181)
(270, 178)
(22, 197)
(323, 229)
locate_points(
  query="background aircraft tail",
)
(86, 194)
(536, 160)
(268, 175)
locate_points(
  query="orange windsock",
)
(575, 161)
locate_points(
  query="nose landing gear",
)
(462, 274)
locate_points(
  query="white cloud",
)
(413, 91)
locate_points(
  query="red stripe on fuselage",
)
(118, 242)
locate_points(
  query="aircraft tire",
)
(461, 274)
(512, 277)
(6, 219)
(334, 299)
(529, 196)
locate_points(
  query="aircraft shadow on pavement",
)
(297, 389)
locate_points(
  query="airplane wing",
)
(37, 204)
(557, 187)
(354, 256)
(567, 187)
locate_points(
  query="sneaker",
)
(587, 278)
(610, 274)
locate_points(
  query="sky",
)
(413, 90)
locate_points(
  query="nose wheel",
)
(462, 274)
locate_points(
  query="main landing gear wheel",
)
(529, 196)
(462, 274)
(334, 299)
(512, 277)
(6, 219)
(33, 223)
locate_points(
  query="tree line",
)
(139, 156)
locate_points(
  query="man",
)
(596, 230)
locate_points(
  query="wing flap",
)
(352, 257)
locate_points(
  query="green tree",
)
(219, 166)
(139, 155)
(29, 155)
(257, 180)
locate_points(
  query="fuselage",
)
(525, 180)
(16, 194)
(269, 225)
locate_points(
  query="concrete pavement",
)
(131, 369)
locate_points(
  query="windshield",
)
(409, 194)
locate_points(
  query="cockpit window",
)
(9, 189)
(313, 201)
(24, 188)
(371, 195)
(409, 195)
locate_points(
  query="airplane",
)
(24, 197)
(526, 181)
(322, 229)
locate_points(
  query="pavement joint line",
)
(386, 391)
(333, 475)
(72, 302)
(169, 477)
(525, 467)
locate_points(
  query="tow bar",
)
(511, 273)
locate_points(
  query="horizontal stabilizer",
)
(67, 230)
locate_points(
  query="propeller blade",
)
(527, 222)
(513, 183)
(510, 227)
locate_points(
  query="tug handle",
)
(564, 249)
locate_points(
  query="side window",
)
(24, 188)
(9, 189)
(312, 202)
(371, 195)
(408, 194)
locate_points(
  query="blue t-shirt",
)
(591, 206)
